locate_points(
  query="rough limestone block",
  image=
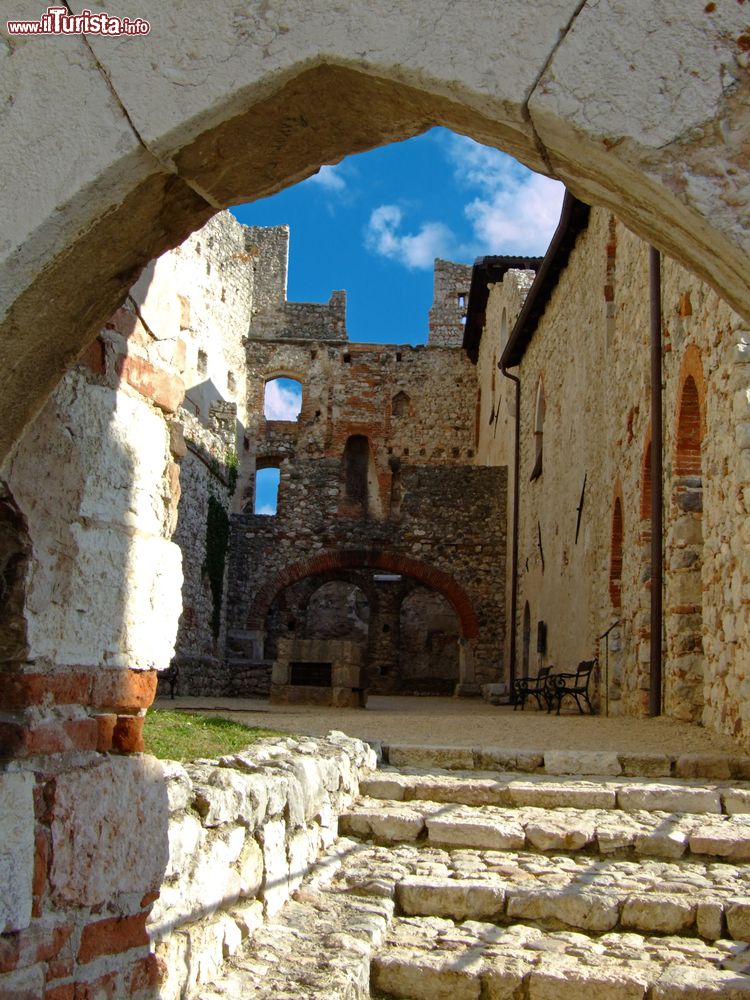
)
(276, 868)
(574, 982)
(388, 825)
(499, 759)
(451, 758)
(25, 984)
(709, 920)
(109, 831)
(581, 762)
(561, 833)
(738, 920)
(179, 786)
(725, 841)
(421, 976)
(658, 914)
(671, 799)
(186, 837)
(485, 834)
(736, 800)
(647, 765)
(581, 910)
(704, 765)
(16, 850)
(505, 978)
(458, 899)
(386, 787)
(555, 795)
(692, 983)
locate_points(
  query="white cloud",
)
(282, 400)
(516, 211)
(413, 250)
(329, 178)
(266, 509)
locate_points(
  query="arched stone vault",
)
(640, 107)
(390, 562)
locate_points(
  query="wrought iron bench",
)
(534, 687)
(170, 677)
(575, 684)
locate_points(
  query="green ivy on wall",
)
(217, 540)
(232, 462)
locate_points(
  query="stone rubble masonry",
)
(242, 835)
(451, 297)
(591, 351)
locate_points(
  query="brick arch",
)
(390, 562)
(690, 428)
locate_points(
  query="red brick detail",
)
(124, 690)
(165, 390)
(112, 936)
(41, 868)
(146, 975)
(127, 736)
(38, 943)
(391, 562)
(65, 991)
(94, 357)
(60, 736)
(691, 415)
(106, 728)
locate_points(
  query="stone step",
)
(711, 766)
(510, 790)
(438, 959)
(603, 831)
(710, 900)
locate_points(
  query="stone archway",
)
(644, 112)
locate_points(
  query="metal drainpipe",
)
(657, 474)
(514, 549)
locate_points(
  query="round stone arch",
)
(641, 110)
(376, 560)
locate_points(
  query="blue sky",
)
(373, 224)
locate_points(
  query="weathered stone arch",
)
(643, 110)
(390, 562)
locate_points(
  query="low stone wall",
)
(242, 834)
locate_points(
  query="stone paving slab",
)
(424, 958)
(646, 833)
(507, 789)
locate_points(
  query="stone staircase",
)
(453, 880)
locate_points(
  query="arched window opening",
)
(400, 405)
(646, 485)
(688, 440)
(526, 642)
(360, 477)
(615, 563)
(539, 411)
(282, 399)
(267, 491)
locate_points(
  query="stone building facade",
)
(583, 358)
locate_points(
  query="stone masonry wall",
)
(496, 403)
(448, 311)
(243, 832)
(204, 473)
(92, 491)
(592, 352)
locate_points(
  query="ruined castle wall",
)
(592, 352)
(302, 320)
(202, 293)
(268, 248)
(92, 492)
(496, 395)
(448, 311)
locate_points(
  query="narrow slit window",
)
(267, 491)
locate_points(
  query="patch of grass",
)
(187, 735)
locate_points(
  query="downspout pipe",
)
(514, 529)
(657, 487)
